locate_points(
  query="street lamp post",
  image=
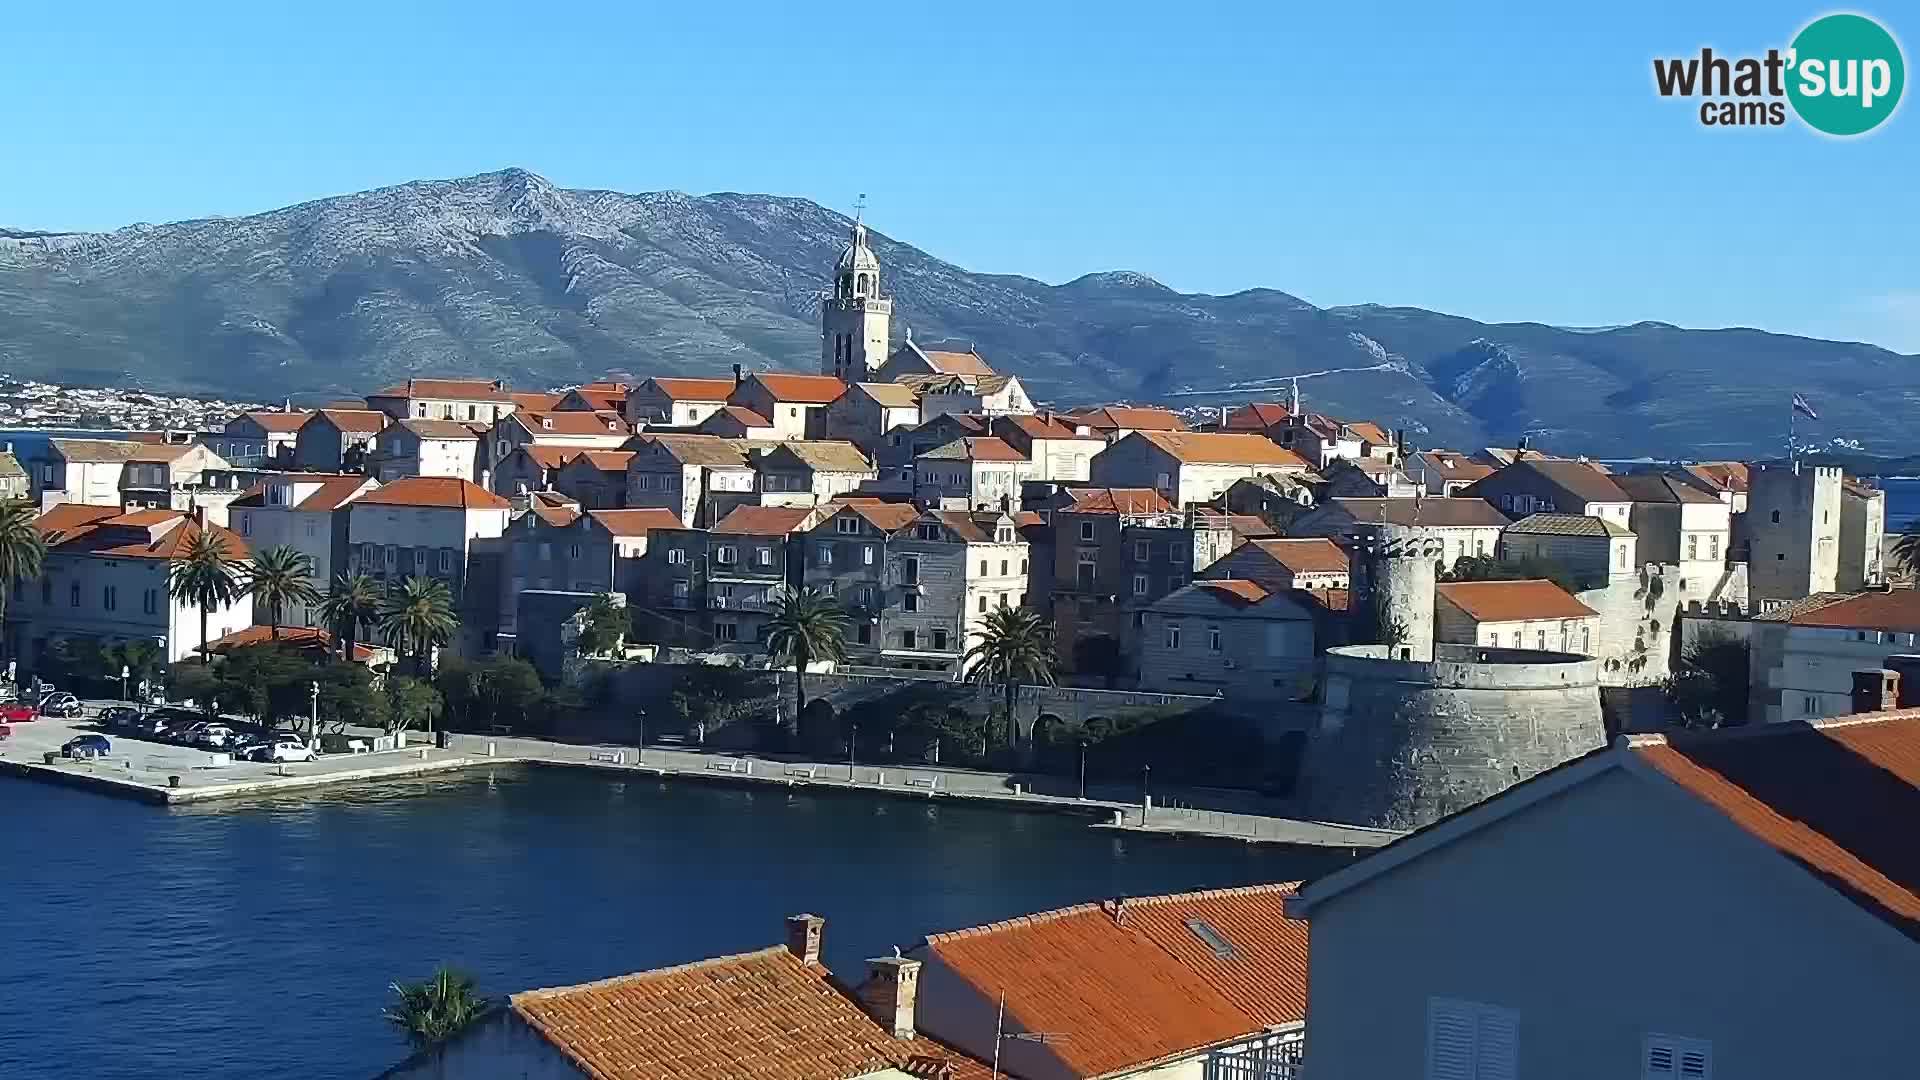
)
(124, 672)
(1083, 770)
(1146, 792)
(313, 714)
(640, 749)
(853, 739)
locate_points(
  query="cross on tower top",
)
(859, 207)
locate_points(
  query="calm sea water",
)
(244, 940)
(1903, 503)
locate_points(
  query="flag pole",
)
(1793, 447)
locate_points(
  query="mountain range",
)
(507, 275)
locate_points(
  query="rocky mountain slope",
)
(506, 274)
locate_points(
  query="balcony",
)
(739, 603)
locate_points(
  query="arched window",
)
(860, 285)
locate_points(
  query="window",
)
(1516, 639)
(927, 531)
(1586, 640)
(573, 551)
(1776, 517)
(679, 590)
(446, 561)
(907, 640)
(1470, 1041)
(1213, 639)
(725, 555)
(940, 640)
(1670, 1057)
(1004, 567)
(983, 568)
(864, 633)
(910, 601)
(1542, 642)
(1176, 553)
(1621, 557)
(1139, 584)
(824, 555)
(1023, 566)
(1693, 546)
(46, 593)
(726, 631)
(1140, 550)
(73, 595)
(419, 559)
(246, 524)
(909, 571)
(1713, 546)
(863, 596)
(763, 556)
(1812, 706)
(150, 603)
(546, 552)
(110, 597)
(676, 556)
(847, 523)
(1173, 636)
(866, 554)
(1164, 481)
(983, 602)
(1086, 530)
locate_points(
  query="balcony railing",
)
(739, 603)
(1278, 1059)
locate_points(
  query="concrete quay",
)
(165, 774)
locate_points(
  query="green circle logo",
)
(1845, 74)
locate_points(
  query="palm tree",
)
(418, 617)
(435, 1009)
(352, 604)
(1016, 646)
(1906, 551)
(205, 577)
(807, 625)
(278, 578)
(22, 549)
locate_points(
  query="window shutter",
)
(1498, 1051)
(1451, 1037)
(1670, 1057)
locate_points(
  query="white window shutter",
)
(1671, 1057)
(1451, 1038)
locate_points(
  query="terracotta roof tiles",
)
(1222, 448)
(1306, 555)
(692, 389)
(1896, 610)
(434, 492)
(800, 389)
(1512, 601)
(1439, 513)
(636, 522)
(1129, 418)
(1116, 501)
(1237, 589)
(764, 520)
(455, 389)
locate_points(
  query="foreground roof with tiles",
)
(1234, 590)
(1512, 601)
(440, 429)
(1140, 980)
(1896, 610)
(765, 1015)
(1305, 555)
(1832, 797)
(434, 492)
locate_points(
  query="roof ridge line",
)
(1767, 729)
(1212, 894)
(545, 992)
(1018, 921)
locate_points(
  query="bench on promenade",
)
(931, 783)
(802, 774)
(608, 757)
(500, 729)
(727, 766)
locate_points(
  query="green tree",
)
(23, 551)
(501, 690)
(1101, 655)
(195, 682)
(1016, 646)
(347, 696)
(1487, 568)
(807, 625)
(435, 1009)
(418, 617)
(267, 681)
(143, 660)
(352, 604)
(709, 696)
(205, 576)
(607, 624)
(279, 578)
(1709, 687)
(1906, 550)
(411, 704)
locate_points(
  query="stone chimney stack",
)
(893, 984)
(1907, 665)
(803, 937)
(1876, 690)
(738, 376)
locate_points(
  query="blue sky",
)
(1506, 162)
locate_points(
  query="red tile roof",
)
(1223, 448)
(279, 422)
(1236, 590)
(540, 423)
(456, 389)
(69, 518)
(637, 522)
(608, 461)
(333, 492)
(1371, 432)
(533, 400)
(1309, 555)
(1127, 418)
(292, 637)
(1837, 798)
(1451, 466)
(757, 1016)
(885, 516)
(800, 389)
(1452, 512)
(1038, 427)
(143, 534)
(692, 389)
(1896, 610)
(957, 363)
(1256, 416)
(434, 492)
(602, 398)
(356, 420)
(740, 414)
(1116, 501)
(549, 457)
(976, 448)
(1723, 475)
(1512, 601)
(1133, 982)
(764, 520)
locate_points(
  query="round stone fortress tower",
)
(1411, 731)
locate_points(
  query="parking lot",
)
(150, 763)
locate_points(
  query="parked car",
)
(5, 733)
(16, 712)
(285, 748)
(212, 736)
(243, 744)
(60, 704)
(92, 744)
(120, 716)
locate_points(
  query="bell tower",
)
(855, 318)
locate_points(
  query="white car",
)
(213, 736)
(285, 748)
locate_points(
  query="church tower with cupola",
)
(855, 318)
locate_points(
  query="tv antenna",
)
(1002, 1035)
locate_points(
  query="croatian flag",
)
(1800, 406)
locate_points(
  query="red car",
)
(16, 713)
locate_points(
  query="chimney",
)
(738, 378)
(200, 514)
(803, 937)
(1907, 666)
(1876, 690)
(893, 982)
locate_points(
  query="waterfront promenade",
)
(165, 774)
